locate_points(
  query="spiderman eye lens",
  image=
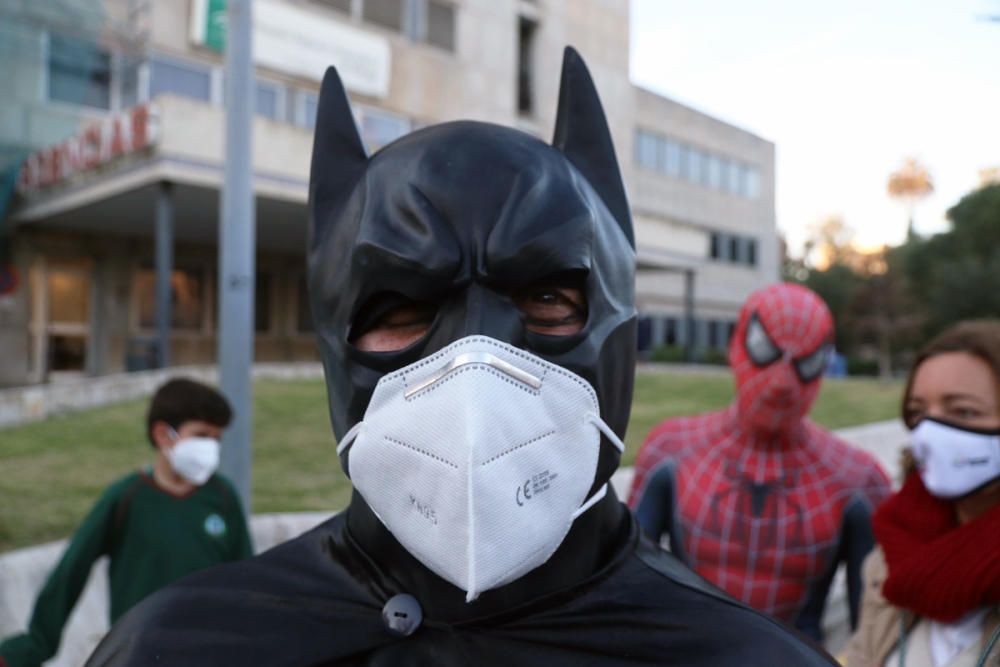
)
(812, 365)
(760, 347)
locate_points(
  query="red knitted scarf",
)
(937, 568)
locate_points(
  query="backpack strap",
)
(121, 508)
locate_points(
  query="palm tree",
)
(909, 184)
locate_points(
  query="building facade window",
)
(187, 297)
(180, 78)
(526, 65)
(385, 13)
(441, 25)
(645, 149)
(308, 106)
(340, 5)
(670, 332)
(733, 248)
(79, 72)
(380, 127)
(752, 183)
(674, 158)
(715, 246)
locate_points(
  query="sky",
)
(845, 90)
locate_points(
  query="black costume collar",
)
(598, 540)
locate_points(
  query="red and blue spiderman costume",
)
(756, 498)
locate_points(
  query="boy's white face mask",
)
(478, 459)
(194, 459)
(953, 461)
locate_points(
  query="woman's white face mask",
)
(954, 461)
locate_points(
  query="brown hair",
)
(181, 400)
(980, 338)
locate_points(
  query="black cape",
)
(318, 600)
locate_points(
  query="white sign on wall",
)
(302, 43)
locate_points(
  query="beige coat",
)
(878, 625)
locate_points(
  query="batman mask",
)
(460, 218)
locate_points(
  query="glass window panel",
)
(670, 331)
(525, 65)
(736, 178)
(713, 333)
(715, 248)
(723, 173)
(187, 296)
(386, 13)
(188, 80)
(339, 5)
(310, 104)
(694, 165)
(734, 249)
(379, 128)
(441, 25)
(130, 83)
(67, 353)
(673, 157)
(305, 322)
(713, 171)
(683, 155)
(69, 297)
(78, 72)
(752, 182)
(752, 252)
(646, 149)
(267, 100)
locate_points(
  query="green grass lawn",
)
(53, 471)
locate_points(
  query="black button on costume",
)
(461, 215)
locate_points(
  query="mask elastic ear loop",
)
(616, 441)
(349, 437)
(603, 428)
(600, 493)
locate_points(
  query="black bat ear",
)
(582, 135)
(338, 157)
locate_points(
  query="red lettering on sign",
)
(119, 135)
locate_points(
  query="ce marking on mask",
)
(533, 486)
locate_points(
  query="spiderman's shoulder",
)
(851, 466)
(680, 434)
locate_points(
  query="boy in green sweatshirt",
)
(158, 524)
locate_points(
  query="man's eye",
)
(390, 322)
(556, 311)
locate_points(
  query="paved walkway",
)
(23, 572)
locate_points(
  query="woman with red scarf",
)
(932, 586)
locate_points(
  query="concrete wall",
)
(26, 404)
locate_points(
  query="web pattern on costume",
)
(759, 493)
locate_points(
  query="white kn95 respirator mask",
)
(478, 459)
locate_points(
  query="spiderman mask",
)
(778, 353)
